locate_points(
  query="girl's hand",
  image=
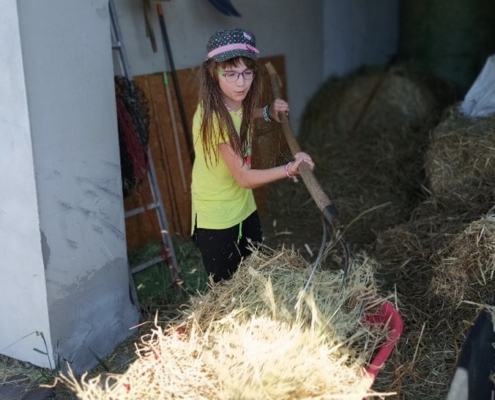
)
(277, 106)
(300, 157)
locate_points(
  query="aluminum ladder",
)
(157, 203)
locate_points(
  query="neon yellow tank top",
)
(218, 202)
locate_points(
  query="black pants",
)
(222, 250)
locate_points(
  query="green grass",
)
(155, 285)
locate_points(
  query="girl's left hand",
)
(277, 106)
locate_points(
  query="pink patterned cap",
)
(230, 43)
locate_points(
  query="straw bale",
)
(372, 100)
(367, 134)
(440, 255)
(373, 186)
(459, 161)
(259, 335)
(467, 266)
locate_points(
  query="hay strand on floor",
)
(258, 336)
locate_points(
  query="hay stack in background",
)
(368, 134)
(422, 260)
(468, 265)
(460, 162)
(258, 336)
(373, 100)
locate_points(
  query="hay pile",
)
(436, 254)
(258, 336)
(373, 100)
(460, 162)
(368, 134)
(439, 263)
(468, 264)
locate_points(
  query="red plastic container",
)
(389, 316)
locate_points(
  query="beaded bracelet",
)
(266, 114)
(287, 170)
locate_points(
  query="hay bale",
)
(467, 268)
(367, 134)
(258, 336)
(459, 161)
(374, 100)
(373, 190)
(421, 261)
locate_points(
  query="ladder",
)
(157, 203)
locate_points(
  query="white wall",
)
(63, 262)
(23, 297)
(358, 33)
(292, 28)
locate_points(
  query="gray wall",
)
(23, 297)
(359, 33)
(74, 215)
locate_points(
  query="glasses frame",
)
(220, 72)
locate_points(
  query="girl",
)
(224, 217)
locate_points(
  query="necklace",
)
(238, 112)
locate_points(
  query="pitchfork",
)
(329, 211)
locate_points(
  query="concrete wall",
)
(23, 296)
(64, 272)
(359, 33)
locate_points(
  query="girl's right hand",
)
(300, 157)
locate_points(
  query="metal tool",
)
(329, 211)
(157, 204)
(225, 7)
(175, 79)
(150, 32)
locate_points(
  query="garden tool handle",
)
(321, 199)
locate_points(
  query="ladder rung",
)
(157, 204)
(140, 210)
(147, 264)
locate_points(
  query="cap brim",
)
(234, 53)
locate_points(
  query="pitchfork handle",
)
(321, 199)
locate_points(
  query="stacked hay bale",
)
(367, 133)
(435, 256)
(374, 101)
(459, 162)
(441, 261)
(259, 336)
(439, 264)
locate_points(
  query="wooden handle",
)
(149, 27)
(314, 188)
(159, 9)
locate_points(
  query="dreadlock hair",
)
(211, 98)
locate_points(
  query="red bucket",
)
(387, 316)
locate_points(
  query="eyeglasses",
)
(232, 76)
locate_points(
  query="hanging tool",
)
(329, 211)
(149, 26)
(225, 7)
(168, 252)
(175, 131)
(176, 81)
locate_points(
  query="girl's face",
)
(235, 82)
